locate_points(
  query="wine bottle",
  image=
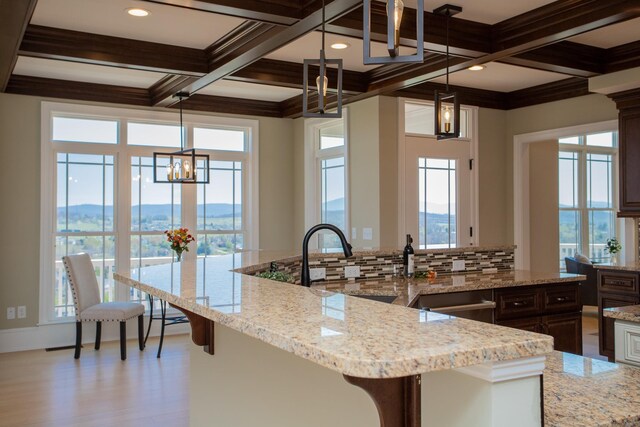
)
(407, 257)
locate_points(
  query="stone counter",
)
(630, 313)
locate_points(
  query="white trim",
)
(60, 334)
(507, 370)
(521, 231)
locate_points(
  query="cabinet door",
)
(606, 324)
(629, 149)
(531, 324)
(566, 330)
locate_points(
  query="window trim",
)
(122, 181)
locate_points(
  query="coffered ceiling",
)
(249, 54)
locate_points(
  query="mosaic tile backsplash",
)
(384, 264)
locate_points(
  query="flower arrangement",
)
(179, 239)
(613, 246)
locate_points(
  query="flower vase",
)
(178, 256)
(614, 259)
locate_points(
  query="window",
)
(587, 206)
(331, 188)
(98, 194)
(437, 203)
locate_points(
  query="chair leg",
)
(141, 332)
(76, 355)
(150, 317)
(98, 334)
(123, 340)
(163, 309)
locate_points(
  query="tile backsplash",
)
(381, 264)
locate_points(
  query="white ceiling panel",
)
(308, 47)
(244, 90)
(485, 11)
(501, 78)
(611, 36)
(63, 70)
(165, 24)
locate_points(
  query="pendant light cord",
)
(323, 19)
(448, 17)
(181, 130)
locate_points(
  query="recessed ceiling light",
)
(339, 45)
(478, 67)
(136, 11)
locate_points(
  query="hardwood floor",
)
(39, 388)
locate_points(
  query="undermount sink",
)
(381, 298)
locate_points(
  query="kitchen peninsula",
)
(416, 366)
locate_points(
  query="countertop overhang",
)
(353, 336)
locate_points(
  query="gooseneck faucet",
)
(305, 276)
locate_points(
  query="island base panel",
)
(202, 330)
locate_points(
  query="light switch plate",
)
(352, 271)
(367, 233)
(11, 313)
(22, 311)
(458, 265)
(319, 273)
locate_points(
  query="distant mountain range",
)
(213, 210)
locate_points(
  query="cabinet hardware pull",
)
(561, 299)
(519, 303)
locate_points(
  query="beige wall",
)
(20, 208)
(388, 127)
(492, 171)
(553, 115)
(20, 212)
(543, 206)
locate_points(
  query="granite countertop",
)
(583, 392)
(350, 335)
(409, 290)
(630, 313)
(634, 266)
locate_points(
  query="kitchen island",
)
(289, 355)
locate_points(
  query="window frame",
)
(583, 150)
(122, 154)
(313, 171)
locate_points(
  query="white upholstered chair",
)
(86, 299)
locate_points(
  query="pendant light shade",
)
(395, 10)
(322, 84)
(447, 107)
(181, 167)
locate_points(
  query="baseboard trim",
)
(63, 334)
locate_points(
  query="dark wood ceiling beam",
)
(280, 12)
(559, 21)
(223, 69)
(168, 86)
(573, 59)
(468, 96)
(66, 45)
(222, 104)
(549, 92)
(241, 39)
(623, 57)
(53, 88)
(14, 18)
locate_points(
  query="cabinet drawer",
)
(618, 281)
(561, 299)
(517, 303)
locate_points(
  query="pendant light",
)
(447, 107)
(322, 83)
(395, 9)
(184, 166)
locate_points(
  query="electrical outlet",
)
(367, 233)
(317, 273)
(22, 311)
(11, 313)
(352, 271)
(458, 265)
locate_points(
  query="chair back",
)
(83, 282)
(571, 264)
(590, 285)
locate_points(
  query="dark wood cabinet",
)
(628, 104)
(616, 288)
(554, 310)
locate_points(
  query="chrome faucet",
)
(305, 276)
